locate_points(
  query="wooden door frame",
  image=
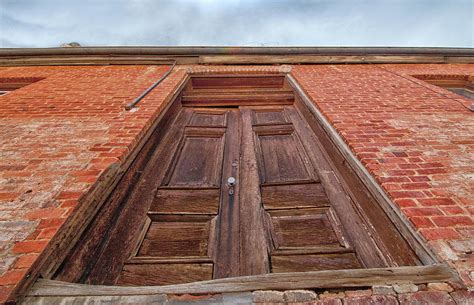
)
(431, 271)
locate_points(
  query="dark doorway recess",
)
(239, 178)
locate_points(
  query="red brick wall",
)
(58, 135)
(416, 139)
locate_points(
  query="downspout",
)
(131, 105)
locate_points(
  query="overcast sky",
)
(49, 23)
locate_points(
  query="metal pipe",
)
(130, 106)
(196, 51)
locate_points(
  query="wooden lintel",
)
(275, 281)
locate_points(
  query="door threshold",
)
(348, 278)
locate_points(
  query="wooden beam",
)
(238, 59)
(275, 281)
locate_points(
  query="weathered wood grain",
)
(282, 281)
(256, 236)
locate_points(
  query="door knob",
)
(231, 181)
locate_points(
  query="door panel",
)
(178, 241)
(164, 274)
(268, 116)
(304, 231)
(296, 196)
(280, 159)
(192, 201)
(208, 118)
(199, 160)
(304, 228)
(175, 239)
(311, 262)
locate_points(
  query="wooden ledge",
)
(276, 281)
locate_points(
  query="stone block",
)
(297, 296)
(440, 287)
(383, 289)
(405, 288)
(267, 296)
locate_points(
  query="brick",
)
(331, 295)
(436, 201)
(422, 212)
(358, 293)
(405, 202)
(11, 277)
(5, 292)
(327, 302)
(422, 222)
(406, 194)
(419, 178)
(4, 196)
(431, 171)
(372, 300)
(51, 223)
(25, 261)
(415, 186)
(463, 297)
(452, 221)
(452, 210)
(29, 246)
(69, 195)
(439, 233)
(47, 233)
(46, 213)
(426, 297)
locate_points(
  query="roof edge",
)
(237, 50)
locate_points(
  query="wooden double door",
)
(244, 191)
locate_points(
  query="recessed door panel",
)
(208, 119)
(176, 239)
(269, 116)
(199, 162)
(304, 228)
(314, 262)
(280, 160)
(191, 201)
(289, 196)
(164, 274)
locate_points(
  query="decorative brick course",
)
(59, 134)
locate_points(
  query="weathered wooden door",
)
(246, 191)
(186, 235)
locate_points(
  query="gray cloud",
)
(48, 23)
